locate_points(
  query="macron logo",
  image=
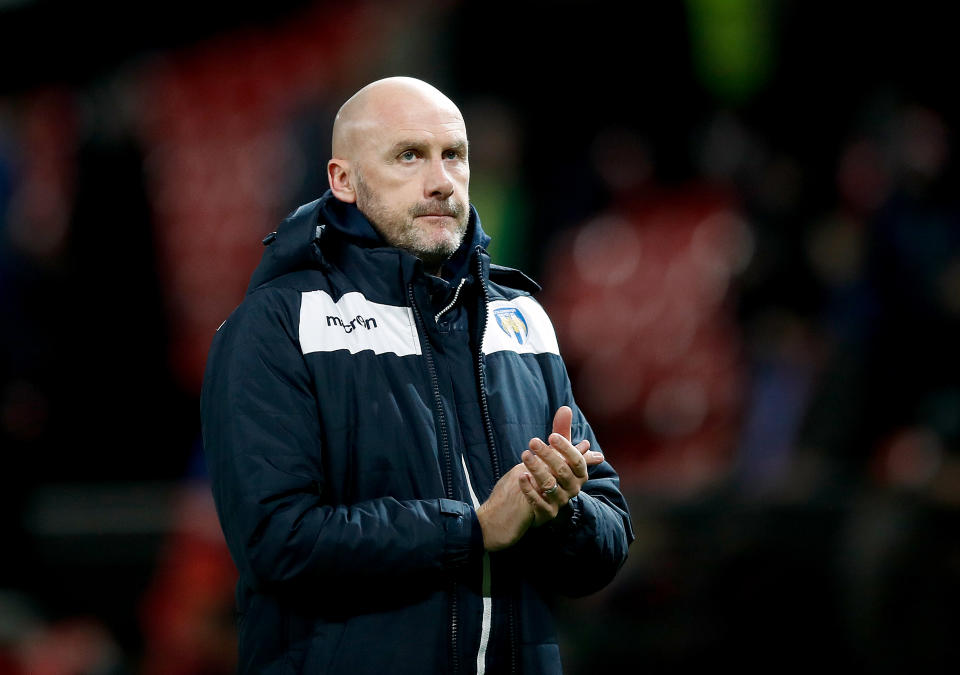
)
(348, 324)
(355, 323)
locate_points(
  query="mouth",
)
(436, 210)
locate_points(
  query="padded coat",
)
(353, 407)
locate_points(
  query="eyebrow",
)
(459, 146)
(411, 144)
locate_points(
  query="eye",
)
(408, 155)
(452, 154)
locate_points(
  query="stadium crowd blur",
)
(746, 219)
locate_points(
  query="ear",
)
(341, 184)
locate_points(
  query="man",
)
(373, 415)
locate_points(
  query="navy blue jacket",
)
(353, 407)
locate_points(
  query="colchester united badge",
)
(512, 323)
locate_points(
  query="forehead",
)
(427, 121)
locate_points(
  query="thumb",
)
(563, 421)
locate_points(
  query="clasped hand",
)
(533, 492)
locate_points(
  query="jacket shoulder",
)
(295, 282)
(268, 308)
(512, 282)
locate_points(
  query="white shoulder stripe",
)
(355, 324)
(519, 325)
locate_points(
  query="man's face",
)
(411, 178)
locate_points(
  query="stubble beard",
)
(398, 228)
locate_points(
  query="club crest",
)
(512, 323)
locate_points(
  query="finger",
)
(558, 463)
(530, 492)
(582, 447)
(591, 458)
(553, 472)
(539, 469)
(562, 421)
(530, 496)
(570, 454)
(542, 509)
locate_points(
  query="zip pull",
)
(456, 294)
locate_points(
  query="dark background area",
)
(745, 218)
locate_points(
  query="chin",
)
(436, 254)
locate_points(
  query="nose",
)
(437, 183)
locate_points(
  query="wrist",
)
(463, 536)
(567, 517)
(485, 528)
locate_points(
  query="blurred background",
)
(744, 215)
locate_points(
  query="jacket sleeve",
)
(261, 436)
(587, 543)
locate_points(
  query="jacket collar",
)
(296, 244)
(349, 222)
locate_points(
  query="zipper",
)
(486, 596)
(487, 618)
(491, 443)
(437, 401)
(453, 302)
(447, 468)
(481, 376)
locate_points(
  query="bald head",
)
(384, 102)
